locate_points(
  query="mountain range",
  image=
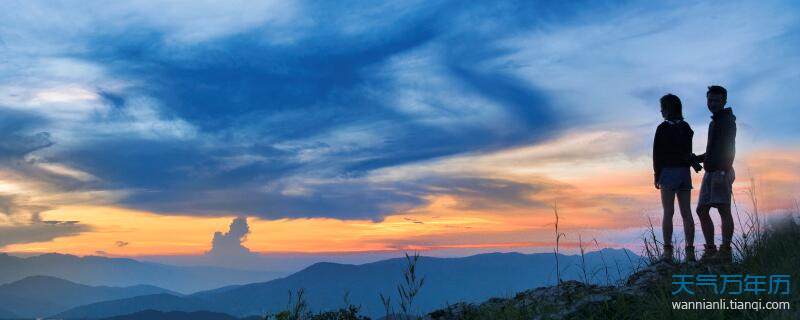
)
(328, 285)
(121, 272)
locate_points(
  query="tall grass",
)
(386, 301)
(651, 247)
(746, 242)
(411, 285)
(296, 308)
(558, 241)
(605, 264)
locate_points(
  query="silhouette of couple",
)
(672, 158)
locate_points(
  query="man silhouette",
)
(717, 186)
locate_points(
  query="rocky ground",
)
(577, 300)
(563, 301)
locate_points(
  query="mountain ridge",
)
(470, 278)
(123, 272)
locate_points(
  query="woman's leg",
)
(668, 202)
(684, 204)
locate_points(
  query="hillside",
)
(40, 296)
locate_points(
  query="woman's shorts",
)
(675, 178)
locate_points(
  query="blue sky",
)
(324, 109)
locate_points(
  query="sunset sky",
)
(141, 129)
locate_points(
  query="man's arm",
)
(729, 147)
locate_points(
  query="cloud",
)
(18, 140)
(297, 109)
(229, 244)
(21, 222)
(254, 129)
(21, 166)
(614, 65)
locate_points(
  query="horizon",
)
(272, 135)
(300, 266)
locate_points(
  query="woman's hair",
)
(672, 105)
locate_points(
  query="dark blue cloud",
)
(261, 107)
(19, 136)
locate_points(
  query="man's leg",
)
(706, 224)
(725, 211)
(710, 251)
(727, 224)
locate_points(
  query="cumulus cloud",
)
(230, 244)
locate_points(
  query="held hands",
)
(694, 161)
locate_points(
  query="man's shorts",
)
(675, 178)
(717, 188)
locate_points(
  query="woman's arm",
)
(658, 149)
(693, 159)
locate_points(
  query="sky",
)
(224, 131)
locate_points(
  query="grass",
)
(298, 309)
(558, 240)
(409, 289)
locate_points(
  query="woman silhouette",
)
(672, 151)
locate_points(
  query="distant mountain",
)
(40, 296)
(174, 315)
(448, 280)
(158, 302)
(93, 270)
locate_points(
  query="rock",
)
(562, 301)
(567, 299)
(639, 281)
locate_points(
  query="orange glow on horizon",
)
(602, 200)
